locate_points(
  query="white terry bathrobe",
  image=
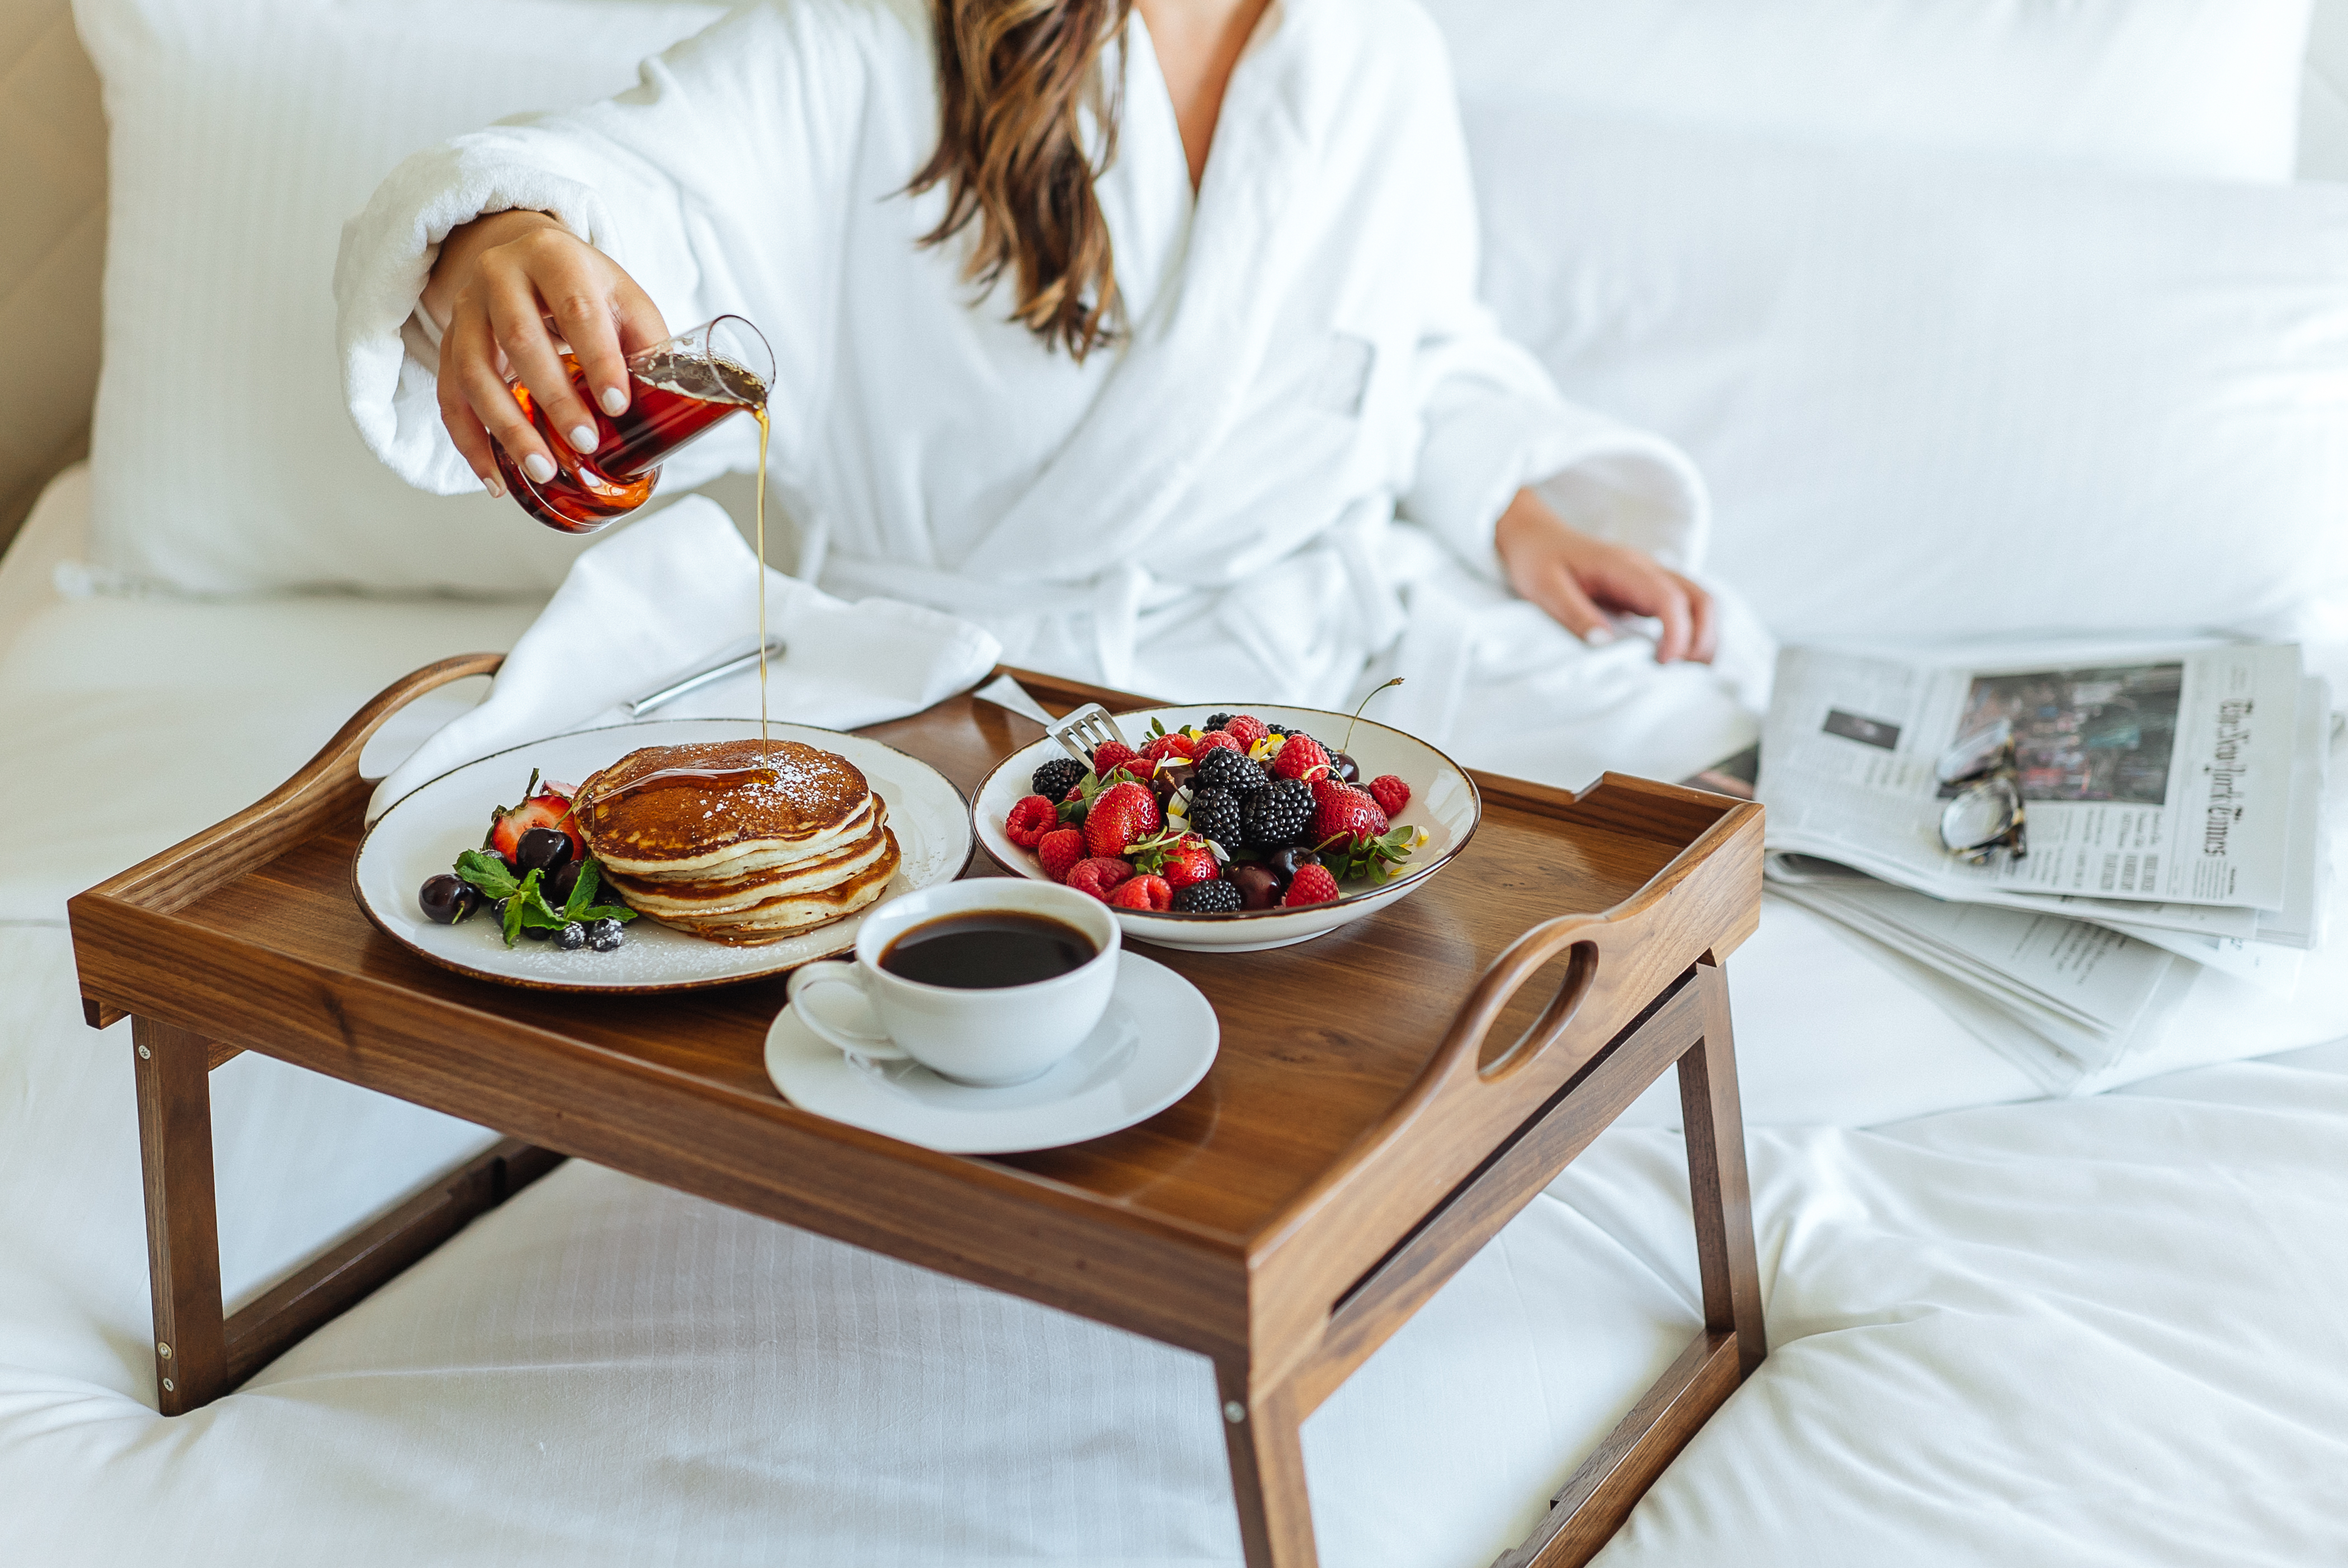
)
(1281, 485)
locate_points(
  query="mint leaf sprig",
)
(526, 905)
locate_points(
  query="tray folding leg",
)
(202, 1352)
(1688, 1027)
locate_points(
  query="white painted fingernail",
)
(583, 437)
(1598, 637)
(494, 485)
(614, 400)
(539, 467)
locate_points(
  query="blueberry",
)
(536, 933)
(542, 849)
(605, 935)
(497, 912)
(572, 938)
(447, 899)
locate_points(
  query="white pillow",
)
(243, 133)
(2177, 86)
(1936, 397)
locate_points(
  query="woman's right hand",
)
(505, 289)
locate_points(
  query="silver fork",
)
(1086, 730)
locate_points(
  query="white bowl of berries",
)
(1228, 829)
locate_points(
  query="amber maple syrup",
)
(672, 398)
(762, 772)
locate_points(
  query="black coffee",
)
(986, 949)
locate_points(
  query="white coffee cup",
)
(989, 1035)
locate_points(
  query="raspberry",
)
(1247, 729)
(1143, 892)
(1057, 777)
(1314, 884)
(1060, 851)
(1208, 898)
(1030, 819)
(1215, 740)
(1098, 875)
(1177, 746)
(1392, 794)
(1111, 755)
(1301, 757)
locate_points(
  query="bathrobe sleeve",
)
(718, 182)
(1493, 422)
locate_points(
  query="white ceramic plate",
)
(421, 835)
(1155, 1041)
(1442, 800)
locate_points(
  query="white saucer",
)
(1155, 1041)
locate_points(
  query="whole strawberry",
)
(1030, 819)
(1111, 755)
(1060, 850)
(1246, 728)
(1181, 858)
(1100, 876)
(1314, 884)
(1300, 757)
(1392, 793)
(1345, 813)
(1143, 892)
(1120, 814)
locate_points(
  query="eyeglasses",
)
(1987, 816)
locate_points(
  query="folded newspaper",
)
(2174, 822)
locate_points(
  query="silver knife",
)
(695, 682)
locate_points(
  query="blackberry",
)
(1277, 813)
(1217, 897)
(1223, 769)
(1057, 777)
(1215, 814)
(1217, 721)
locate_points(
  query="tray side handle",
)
(279, 819)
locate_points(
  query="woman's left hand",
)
(1578, 579)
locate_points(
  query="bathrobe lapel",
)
(1183, 375)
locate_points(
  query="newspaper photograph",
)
(2159, 782)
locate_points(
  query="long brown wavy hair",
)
(1016, 79)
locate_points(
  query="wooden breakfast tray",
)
(1385, 1098)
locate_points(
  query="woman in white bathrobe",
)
(1150, 342)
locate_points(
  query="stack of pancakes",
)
(738, 840)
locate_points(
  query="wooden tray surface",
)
(1320, 1041)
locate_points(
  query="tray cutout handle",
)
(1580, 974)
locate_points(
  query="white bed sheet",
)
(2093, 1331)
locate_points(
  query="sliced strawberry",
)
(544, 809)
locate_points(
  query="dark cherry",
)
(559, 883)
(542, 849)
(1348, 770)
(1286, 864)
(1169, 779)
(449, 899)
(1258, 887)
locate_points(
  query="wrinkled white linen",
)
(672, 596)
(1207, 509)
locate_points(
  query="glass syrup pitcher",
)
(676, 390)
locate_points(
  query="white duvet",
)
(2095, 1331)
